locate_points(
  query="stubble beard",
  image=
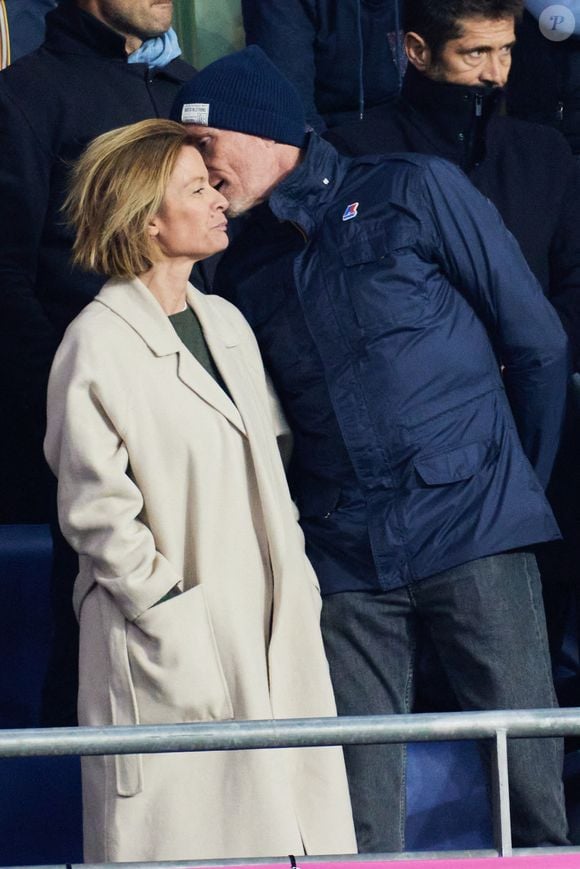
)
(119, 22)
(236, 210)
(239, 206)
(242, 203)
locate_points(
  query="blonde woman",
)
(195, 599)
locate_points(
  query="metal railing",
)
(497, 727)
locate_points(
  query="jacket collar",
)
(457, 115)
(130, 299)
(73, 31)
(304, 194)
(70, 30)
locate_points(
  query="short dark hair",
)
(437, 21)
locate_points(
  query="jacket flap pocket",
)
(317, 499)
(369, 245)
(454, 465)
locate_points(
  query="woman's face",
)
(191, 223)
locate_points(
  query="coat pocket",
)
(377, 240)
(174, 661)
(453, 466)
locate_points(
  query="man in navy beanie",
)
(423, 374)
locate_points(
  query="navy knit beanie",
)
(244, 92)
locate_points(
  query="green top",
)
(189, 330)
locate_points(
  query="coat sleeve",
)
(286, 31)
(483, 261)
(99, 504)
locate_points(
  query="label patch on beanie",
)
(195, 113)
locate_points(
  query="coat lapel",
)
(131, 300)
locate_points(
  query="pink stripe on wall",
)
(540, 861)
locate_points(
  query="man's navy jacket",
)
(399, 322)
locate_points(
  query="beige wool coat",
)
(165, 481)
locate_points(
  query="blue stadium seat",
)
(448, 803)
(40, 798)
(26, 24)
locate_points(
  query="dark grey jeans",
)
(487, 624)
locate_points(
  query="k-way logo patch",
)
(351, 211)
(195, 113)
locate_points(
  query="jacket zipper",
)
(470, 141)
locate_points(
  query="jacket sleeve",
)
(484, 262)
(99, 504)
(564, 291)
(28, 340)
(286, 31)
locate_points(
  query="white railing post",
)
(502, 829)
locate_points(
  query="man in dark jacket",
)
(386, 294)
(459, 59)
(104, 64)
(343, 57)
(78, 84)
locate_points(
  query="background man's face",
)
(241, 166)
(142, 19)
(481, 56)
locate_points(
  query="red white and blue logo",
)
(351, 211)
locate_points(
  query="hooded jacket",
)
(53, 102)
(343, 57)
(385, 293)
(526, 170)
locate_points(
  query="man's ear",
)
(417, 51)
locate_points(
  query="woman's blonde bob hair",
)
(115, 189)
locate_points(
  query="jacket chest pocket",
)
(384, 277)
